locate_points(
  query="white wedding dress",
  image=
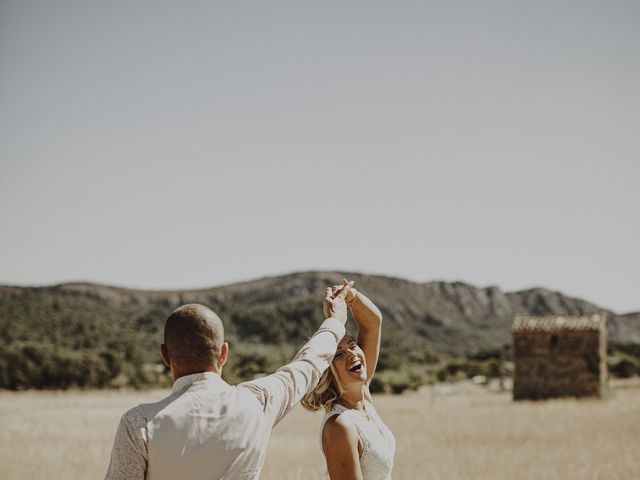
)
(378, 443)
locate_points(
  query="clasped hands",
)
(336, 300)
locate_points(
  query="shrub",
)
(624, 368)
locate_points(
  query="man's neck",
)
(176, 374)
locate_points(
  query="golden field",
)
(446, 432)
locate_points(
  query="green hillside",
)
(86, 335)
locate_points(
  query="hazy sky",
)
(188, 144)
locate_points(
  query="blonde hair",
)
(325, 393)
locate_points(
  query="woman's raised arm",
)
(369, 320)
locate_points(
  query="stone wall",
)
(559, 362)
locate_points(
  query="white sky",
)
(190, 144)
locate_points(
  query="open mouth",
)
(356, 367)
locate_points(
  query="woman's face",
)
(349, 362)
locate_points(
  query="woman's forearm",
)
(365, 313)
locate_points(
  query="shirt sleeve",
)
(280, 391)
(129, 452)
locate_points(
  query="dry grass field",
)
(452, 433)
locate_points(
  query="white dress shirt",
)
(208, 429)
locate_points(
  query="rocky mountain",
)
(96, 336)
(442, 317)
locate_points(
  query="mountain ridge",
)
(436, 304)
(76, 284)
(98, 336)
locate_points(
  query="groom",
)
(206, 428)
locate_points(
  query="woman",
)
(356, 443)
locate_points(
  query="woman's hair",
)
(326, 392)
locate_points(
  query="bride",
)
(356, 443)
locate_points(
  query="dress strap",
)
(336, 409)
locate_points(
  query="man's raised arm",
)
(280, 391)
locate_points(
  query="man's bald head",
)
(193, 339)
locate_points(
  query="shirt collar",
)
(185, 382)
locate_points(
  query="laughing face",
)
(349, 363)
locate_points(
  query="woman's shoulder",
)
(339, 420)
(339, 424)
(340, 431)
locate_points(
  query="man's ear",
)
(164, 353)
(224, 352)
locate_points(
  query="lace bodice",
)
(378, 443)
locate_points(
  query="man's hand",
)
(335, 305)
(351, 294)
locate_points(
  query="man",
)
(206, 428)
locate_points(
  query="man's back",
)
(222, 431)
(207, 429)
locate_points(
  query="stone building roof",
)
(553, 323)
